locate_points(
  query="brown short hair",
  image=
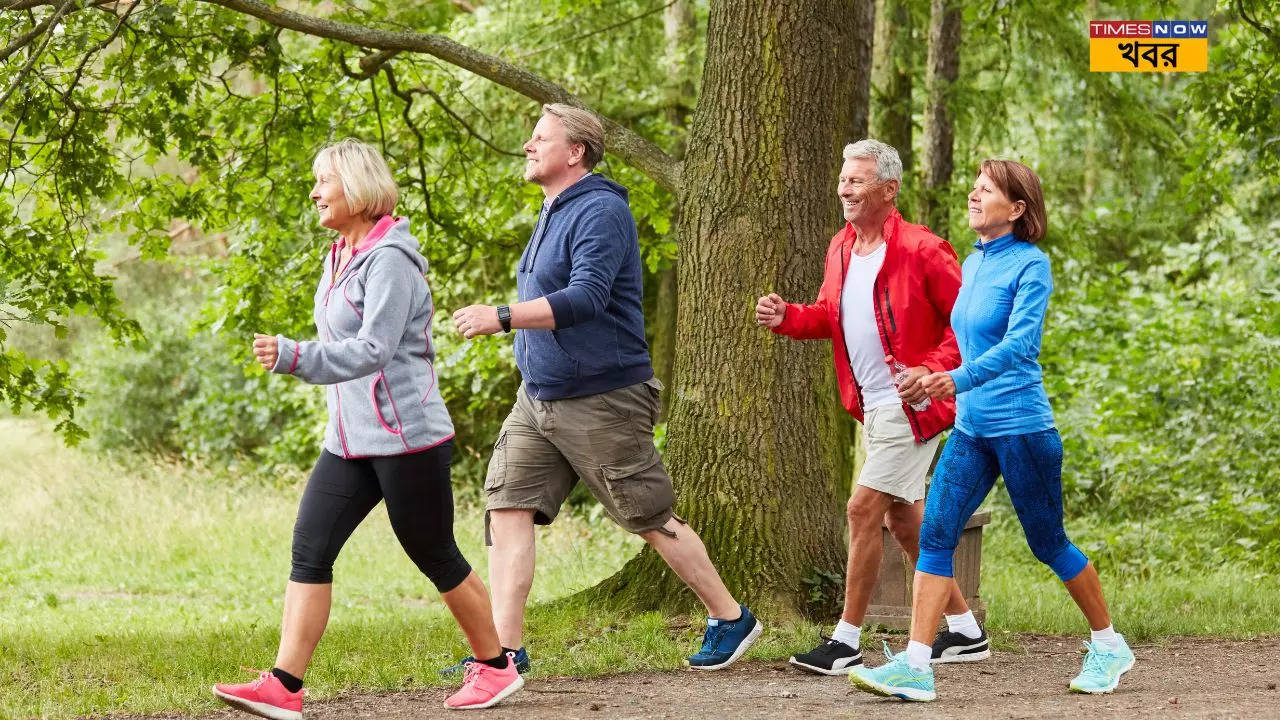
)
(581, 128)
(1019, 182)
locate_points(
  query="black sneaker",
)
(832, 657)
(950, 647)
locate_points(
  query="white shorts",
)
(896, 464)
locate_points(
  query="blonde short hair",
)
(581, 128)
(366, 180)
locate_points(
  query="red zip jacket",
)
(913, 295)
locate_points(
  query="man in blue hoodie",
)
(589, 399)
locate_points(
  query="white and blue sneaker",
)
(1103, 667)
(895, 678)
(725, 641)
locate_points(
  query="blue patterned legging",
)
(1032, 468)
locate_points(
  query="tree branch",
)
(1268, 32)
(27, 37)
(622, 142)
(53, 21)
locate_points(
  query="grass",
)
(115, 576)
(1024, 596)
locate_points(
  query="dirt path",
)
(1182, 678)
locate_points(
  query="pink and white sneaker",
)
(484, 686)
(264, 697)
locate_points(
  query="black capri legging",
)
(419, 498)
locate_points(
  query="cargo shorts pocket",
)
(639, 486)
(496, 476)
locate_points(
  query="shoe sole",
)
(1109, 689)
(743, 646)
(823, 671)
(502, 695)
(257, 708)
(909, 694)
(963, 654)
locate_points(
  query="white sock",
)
(918, 655)
(850, 635)
(1108, 638)
(966, 625)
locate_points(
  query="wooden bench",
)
(890, 605)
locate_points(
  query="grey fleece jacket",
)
(375, 353)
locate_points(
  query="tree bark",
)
(680, 30)
(939, 131)
(863, 26)
(891, 94)
(755, 446)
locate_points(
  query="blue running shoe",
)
(725, 642)
(895, 678)
(522, 664)
(1103, 668)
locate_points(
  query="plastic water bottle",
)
(900, 376)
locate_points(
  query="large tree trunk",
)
(939, 132)
(863, 26)
(756, 443)
(891, 81)
(679, 30)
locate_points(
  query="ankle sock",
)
(716, 621)
(918, 655)
(1107, 638)
(966, 625)
(290, 683)
(499, 663)
(848, 634)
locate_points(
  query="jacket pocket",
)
(384, 411)
(545, 362)
(639, 485)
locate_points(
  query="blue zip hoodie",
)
(584, 257)
(998, 319)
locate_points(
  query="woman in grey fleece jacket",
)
(388, 435)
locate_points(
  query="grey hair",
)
(888, 164)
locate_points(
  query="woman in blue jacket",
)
(1004, 427)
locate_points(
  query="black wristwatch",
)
(504, 317)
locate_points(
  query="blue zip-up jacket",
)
(584, 257)
(998, 318)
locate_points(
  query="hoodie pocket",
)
(383, 408)
(545, 362)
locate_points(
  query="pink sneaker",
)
(484, 686)
(264, 697)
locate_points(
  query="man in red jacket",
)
(886, 298)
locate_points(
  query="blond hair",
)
(366, 180)
(581, 128)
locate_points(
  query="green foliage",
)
(1166, 397)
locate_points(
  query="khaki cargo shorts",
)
(896, 464)
(606, 440)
